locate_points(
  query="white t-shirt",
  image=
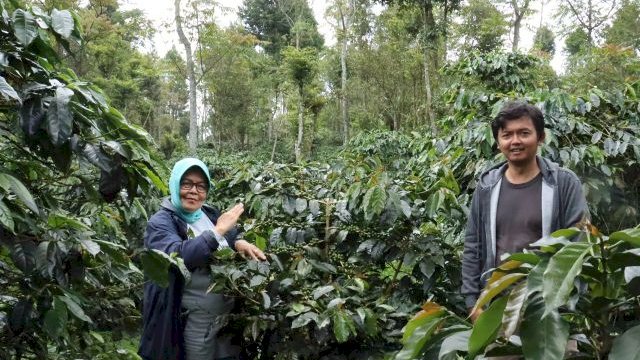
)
(203, 224)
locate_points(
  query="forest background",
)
(356, 162)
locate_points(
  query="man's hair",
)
(515, 110)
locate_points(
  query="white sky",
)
(161, 12)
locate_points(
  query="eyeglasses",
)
(200, 187)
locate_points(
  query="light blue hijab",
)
(179, 169)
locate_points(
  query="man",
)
(518, 201)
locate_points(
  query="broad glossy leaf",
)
(543, 338)
(5, 216)
(458, 341)
(512, 311)
(31, 115)
(20, 190)
(343, 325)
(7, 91)
(301, 205)
(62, 22)
(75, 308)
(492, 290)
(45, 257)
(318, 292)
(55, 320)
(266, 300)
(528, 258)
(374, 201)
(631, 236)
(91, 246)
(59, 116)
(534, 281)
(423, 329)
(62, 221)
(486, 327)
(337, 302)
(557, 280)
(314, 207)
(304, 319)
(155, 265)
(429, 311)
(25, 27)
(406, 208)
(257, 280)
(626, 346)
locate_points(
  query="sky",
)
(161, 12)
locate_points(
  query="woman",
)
(183, 321)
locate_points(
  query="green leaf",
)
(534, 281)
(423, 329)
(406, 208)
(318, 292)
(62, 221)
(486, 327)
(59, 117)
(512, 311)
(7, 91)
(155, 265)
(626, 346)
(45, 258)
(91, 246)
(543, 337)
(557, 280)
(62, 22)
(495, 288)
(55, 320)
(301, 205)
(343, 325)
(304, 319)
(266, 300)
(261, 242)
(374, 202)
(458, 341)
(25, 27)
(74, 308)
(630, 236)
(529, 258)
(5, 217)
(20, 190)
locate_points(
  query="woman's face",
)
(193, 190)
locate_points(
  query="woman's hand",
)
(249, 250)
(229, 219)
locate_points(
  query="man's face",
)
(192, 190)
(518, 141)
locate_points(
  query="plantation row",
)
(356, 244)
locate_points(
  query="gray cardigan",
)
(563, 205)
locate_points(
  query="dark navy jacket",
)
(162, 326)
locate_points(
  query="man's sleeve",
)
(574, 203)
(471, 262)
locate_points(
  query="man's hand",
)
(229, 219)
(249, 250)
(475, 314)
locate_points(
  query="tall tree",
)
(544, 40)
(589, 15)
(344, 11)
(191, 77)
(432, 35)
(625, 29)
(482, 27)
(520, 9)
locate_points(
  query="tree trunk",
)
(343, 80)
(193, 114)
(298, 145)
(518, 15)
(429, 23)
